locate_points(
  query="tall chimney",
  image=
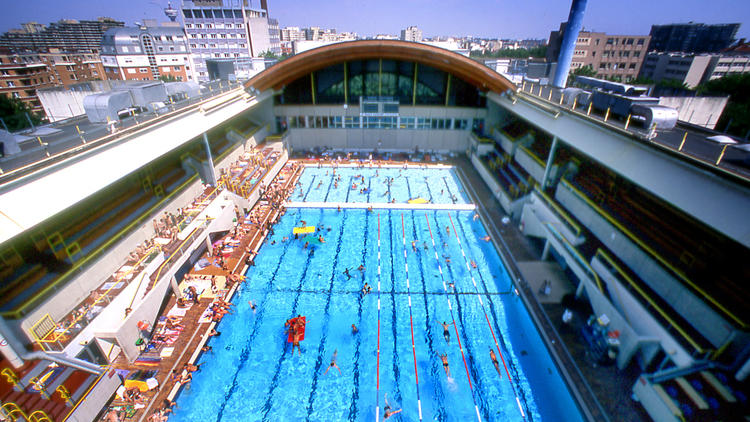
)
(264, 5)
(572, 28)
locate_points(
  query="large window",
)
(347, 82)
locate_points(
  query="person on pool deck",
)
(494, 361)
(446, 332)
(387, 411)
(333, 363)
(444, 358)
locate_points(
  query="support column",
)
(212, 171)
(550, 160)
(175, 287)
(209, 246)
(545, 252)
(568, 44)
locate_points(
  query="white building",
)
(228, 29)
(147, 52)
(411, 33)
(693, 69)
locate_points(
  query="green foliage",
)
(737, 112)
(271, 55)
(519, 53)
(167, 78)
(673, 83)
(13, 112)
(642, 81)
(587, 70)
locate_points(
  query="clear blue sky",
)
(486, 18)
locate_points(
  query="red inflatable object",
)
(296, 331)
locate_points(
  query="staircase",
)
(42, 390)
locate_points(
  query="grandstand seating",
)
(687, 245)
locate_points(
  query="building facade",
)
(22, 74)
(616, 57)
(147, 53)
(225, 29)
(693, 69)
(65, 35)
(692, 37)
(411, 33)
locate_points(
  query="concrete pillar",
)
(212, 171)
(550, 160)
(545, 252)
(9, 353)
(209, 246)
(175, 287)
(572, 28)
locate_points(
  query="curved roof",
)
(304, 63)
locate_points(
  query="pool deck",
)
(604, 392)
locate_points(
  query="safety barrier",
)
(632, 283)
(576, 255)
(681, 275)
(41, 330)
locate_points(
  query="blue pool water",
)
(252, 375)
(436, 185)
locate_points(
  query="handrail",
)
(601, 253)
(652, 252)
(533, 156)
(561, 212)
(39, 416)
(88, 391)
(20, 310)
(11, 408)
(100, 298)
(209, 198)
(581, 260)
(10, 176)
(482, 139)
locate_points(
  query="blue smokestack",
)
(572, 28)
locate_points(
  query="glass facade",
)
(375, 122)
(347, 82)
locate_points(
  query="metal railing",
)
(648, 249)
(572, 225)
(577, 256)
(22, 309)
(92, 138)
(61, 338)
(635, 286)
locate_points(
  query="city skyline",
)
(533, 19)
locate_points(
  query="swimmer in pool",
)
(333, 363)
(446, 332)
(494, 361)
(387, 410)
(444, 358)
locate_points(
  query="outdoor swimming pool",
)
(252, 375)
(439, 186)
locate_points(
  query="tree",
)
(518, 53)
(736, 116)
(167, 78)
(271, 55)
(587, 70)
(14, 111)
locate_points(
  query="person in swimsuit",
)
(333, 363)
(346, 272)
(444, 358)
(446, 332)
(355, 330)
(494, 361)
(387, 410)
(252, 305)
